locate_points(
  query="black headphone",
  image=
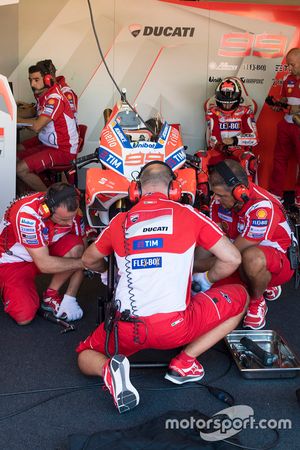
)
(54, 198)
(44, 68)
(174, 188)
(239, 191)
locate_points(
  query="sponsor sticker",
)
(29, 236)
(146, 263)
(27, 229)
(260, 230)
(31, 241)
(141, 244)
(27, 222)
(255, 235)
(259, 223)
(261, 213)
(48, 110)
(155, 229)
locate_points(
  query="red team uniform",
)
(155, 261)
(261, 221)
(69, 94)
(22, 228)
(239, 123)
(57, 142)
(288, 140)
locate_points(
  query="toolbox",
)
(262, 354)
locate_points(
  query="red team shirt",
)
(69, 94)
(155, 255)
(291, 90)
(158, 251)
(261, 220)
(23, 227)
(61, 132)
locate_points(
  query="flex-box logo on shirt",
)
(152, 262)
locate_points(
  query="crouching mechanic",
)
(256, 222)
(42, 233)
(154, 246)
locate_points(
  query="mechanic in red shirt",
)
(288, 132)
(42, 233)
(154, 245)
(255, 221)
(29, 110)
(64, 87)
(58, 139)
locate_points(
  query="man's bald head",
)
(293, 62)
(156, 177)
(293, 52)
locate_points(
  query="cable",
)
(28, 408)
(123, 97)
(133, 304)
(266, 447)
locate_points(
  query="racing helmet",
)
(228, 94)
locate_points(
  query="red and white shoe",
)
(272, 293)
(51, 302)
(179, 373)
(256, 314)
(116, 379)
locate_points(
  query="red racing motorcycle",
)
(127, 143)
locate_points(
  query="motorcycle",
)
(127, 143)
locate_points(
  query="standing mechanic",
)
(154, 246)
(42, 233)
(288, 131)
(58, 139)
(256, 222)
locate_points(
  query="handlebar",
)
(84, 160)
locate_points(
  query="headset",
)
(48, 78)
(55, 198)
(240, 192)
(174, 188)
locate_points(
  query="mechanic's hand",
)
(200, 282)
(104, 276)
(70, 308)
